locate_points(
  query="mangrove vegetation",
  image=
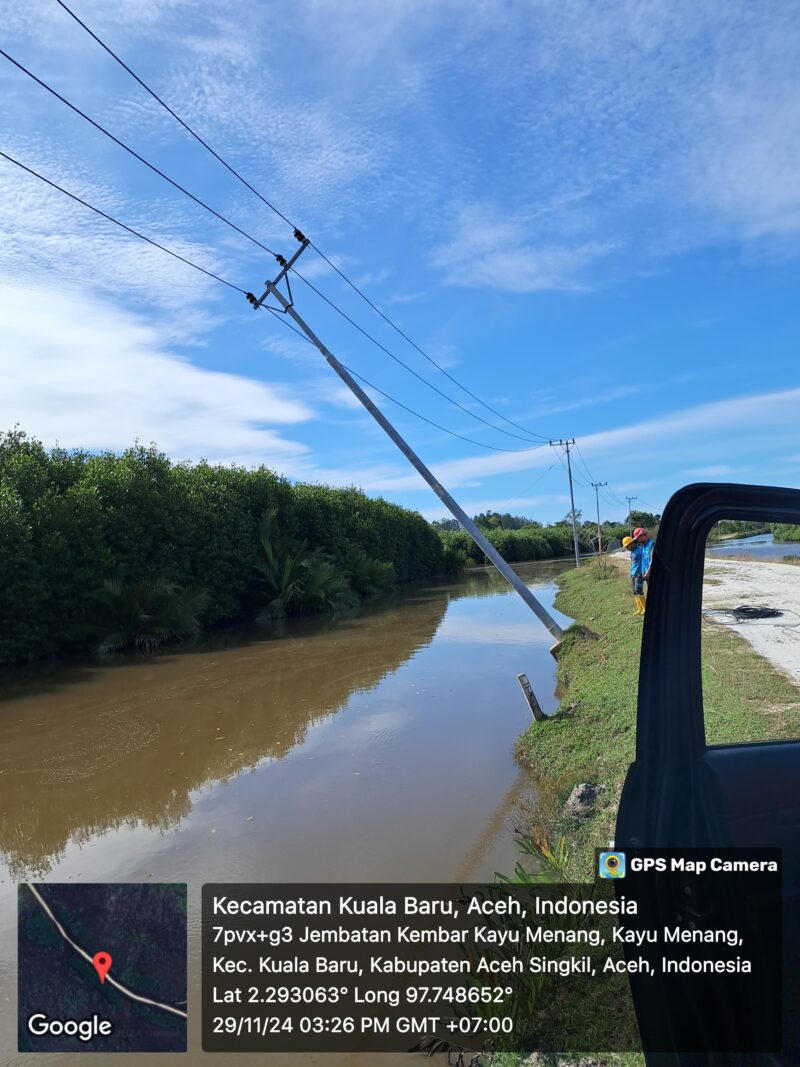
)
(111, 551)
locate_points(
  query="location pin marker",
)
(102, 964)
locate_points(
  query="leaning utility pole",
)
(567, 445)
(486, 546)
(630, 522)
(597, 486)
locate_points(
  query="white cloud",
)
(86, 374)
(682, 431)
(723, 424)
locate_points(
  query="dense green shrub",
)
(69, 521)
(515, 546)
(785, 533)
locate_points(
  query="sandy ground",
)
(730, 584)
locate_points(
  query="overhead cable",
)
(249, 237)
(122, 225)
(583, 463)
(575, 474)
(134, 153)
(177, 117)
(397, 359)
(394, 400)
(232, 170)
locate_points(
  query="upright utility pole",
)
(567, 445)
(597, 486)
(486, 546)
(630, 523)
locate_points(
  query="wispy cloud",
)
(46, 235)
(484, 249)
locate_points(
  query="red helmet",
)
(638, 532)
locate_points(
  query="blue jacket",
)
(647, 555)
(636, 561)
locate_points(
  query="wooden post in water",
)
(530, 696)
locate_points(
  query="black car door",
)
(683, 792)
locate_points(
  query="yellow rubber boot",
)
(643, 599)
(637, 598)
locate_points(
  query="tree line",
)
(113, 550)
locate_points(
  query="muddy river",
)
(372, 748)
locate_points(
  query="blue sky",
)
(588, 214)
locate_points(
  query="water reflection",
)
(99, 747)
(760, 546)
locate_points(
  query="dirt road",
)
(774, 586)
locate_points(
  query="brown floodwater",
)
(371, 748)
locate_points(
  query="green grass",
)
(744, 697)
(591, 737)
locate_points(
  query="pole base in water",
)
(581, 631)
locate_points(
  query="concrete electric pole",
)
(486, 546)
(567, 445)
(630, 523)
(597, 486)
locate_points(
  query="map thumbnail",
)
(102, 968)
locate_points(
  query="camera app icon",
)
(611, 865)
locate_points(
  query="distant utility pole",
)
(567, 445)
(630, 524)
(597, 486)
(486, 546)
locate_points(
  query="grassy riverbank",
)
(591, 736)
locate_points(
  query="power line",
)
(574, 474)
(421, 351)
(583, 462)
(134, 153)
(122, 225)
(610, 502)
(397, 359)
(177, 117)
(239, 230)
(494, 448)
(399, 403)
(280, 214)
(530, 486)
(230, 285)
